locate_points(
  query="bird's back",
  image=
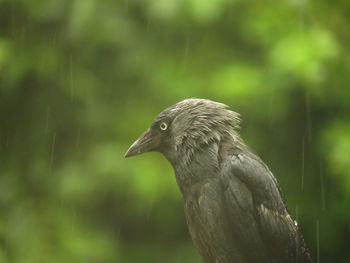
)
(237, 214)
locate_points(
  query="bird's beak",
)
(145, 143)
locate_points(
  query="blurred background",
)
(80, 80)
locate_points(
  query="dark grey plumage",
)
(233, 205)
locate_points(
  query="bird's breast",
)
(207, 222)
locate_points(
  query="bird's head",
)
(187, 127)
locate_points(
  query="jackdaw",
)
(233, 205)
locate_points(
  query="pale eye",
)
(163, 126)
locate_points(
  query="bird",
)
(233, 205)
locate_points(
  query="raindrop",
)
(52, 151)
(119, 231)
(43, 62)
(297, 213)
(302, 163)
(78, 139)
(149, 21)
(187, 46)
(301, 19)
(12, 18)
(308, 117)
(149, 210)
(54, 38)
(7, 138)
(318, 240)
(47, 120)
(296, 224)
(323, 199)
(73, 222)
(71, 78)
(126, 6)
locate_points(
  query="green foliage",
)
(80, 80)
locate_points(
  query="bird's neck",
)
(196, 168)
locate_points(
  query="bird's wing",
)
(248, 182)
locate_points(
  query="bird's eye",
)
(163, 126)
